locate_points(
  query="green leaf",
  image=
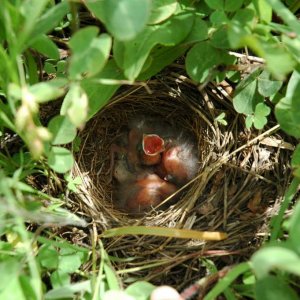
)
(60, 159)
(215, 4)
(111, 277)
(131, 56)
(218, 18)
(69, 290)
(48, 258)
(124, 19)
(264, 10)
(162, 10)
(44, 45)
(233, 5)
(249, 121)
(271, 288)
(275, 257)
(69, 263)
(219, 38)
(224, 283)
(31, 11)
(140, 290)
(62, 129)
(199, 31)
(160, 58)
(75, 105)
(295, 162)
(201, 59)
(266, 86)
(287, 109)
(48, 90)
(89, 52)
(243, 101)
(279, 61)
(259, 118)
(262, 109)
(98, 94)
(59, 279)
(294, 231)
(245, 97)
(49, 20)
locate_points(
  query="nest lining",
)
(219, 198)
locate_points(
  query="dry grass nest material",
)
(242, 177)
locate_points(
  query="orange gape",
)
(146, 192)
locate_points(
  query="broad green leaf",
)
(240, 30)
(131, 56)
(266, 86)
(69, 263)
(69, 290)
(293, 45)
(75, 105)
(49, 20)
(218, 18)
(271, 288)
(287, 109)
(215, 4)
(262, 109)
(60, 159)
(201, 59)
(219, 38)
(162, 231)
(199, 31)
(63, 131)
(44, 45)
(259, 117)
(249, 121)
(275, 258)
(48, 258)
(58, 280)
(49, 68)
(98, 93)
(160, 58)
(124, 19)
(293, 88)
(264, 10)
(259, 122)
(89, 52)
(233, 5)
(140, 290)
(279, 61)
(243, 101)
(162, 10)
(246, 97)
(48, 90)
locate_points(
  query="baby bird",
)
(179, 163)
(147, 191)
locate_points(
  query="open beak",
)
(153, 144)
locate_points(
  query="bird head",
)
(153, 144)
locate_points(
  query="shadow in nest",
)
(240, 183)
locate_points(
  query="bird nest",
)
(240, 183)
